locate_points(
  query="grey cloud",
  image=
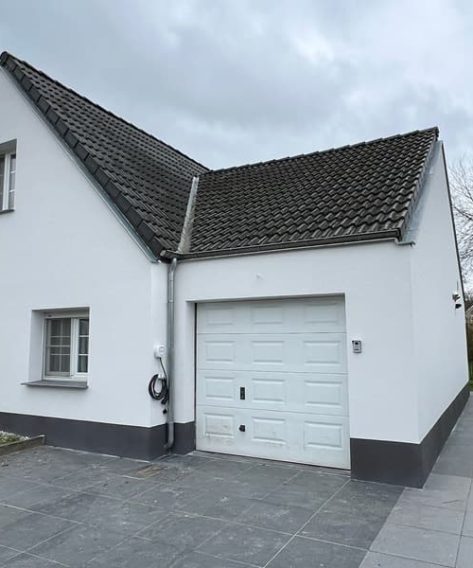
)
(237, 80)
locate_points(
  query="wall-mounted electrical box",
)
(357, 345)
(159, 351)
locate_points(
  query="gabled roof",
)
(148, 180)
(361, 192)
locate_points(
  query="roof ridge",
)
(433, 129)
(5, 54)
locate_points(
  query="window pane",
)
(12, 181)
(83, 327)
(58, 346)
(83, 347)
(11, 184)
(2, 174)
(83, 363)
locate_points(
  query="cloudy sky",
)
(236, 81)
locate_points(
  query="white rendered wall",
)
(374, 278)
(63, 247)
(439, 329)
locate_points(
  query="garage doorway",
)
(272, 380)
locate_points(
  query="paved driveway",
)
(66, 508)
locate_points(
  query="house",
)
(285, 307)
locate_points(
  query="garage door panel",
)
(298, 352)
(285, 437)
(273, 316)
(284, 392)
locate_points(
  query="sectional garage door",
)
(272, 380)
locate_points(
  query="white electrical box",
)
(159, 351)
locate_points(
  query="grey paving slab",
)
(95, 509)
(28, 561)
(245, 544)
(258, 481)
(136, 553)
(11, 515)
(168, 496)
(7, 553)
(221, 468)
(32, 529)
(427, 517)
(37, 495)
(418, 544)
(11, 485)
(120, 486)
(200, 560)
(444, 491)
(312, 497)
(354, 516)
(227, 507)
(281, 518)
(81, 479)
(304, 552)
(453, 466)
(468, 524)
(465, 553)
(78, 545)
(377, 560)
(184, 532)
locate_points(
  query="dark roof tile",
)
(355, 192)
(147, 179)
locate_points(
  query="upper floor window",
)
(7, 177)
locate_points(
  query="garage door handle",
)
(242, 428)
(242, 393)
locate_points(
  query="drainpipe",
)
(170, 352)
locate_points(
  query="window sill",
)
(2, 211)
(66, 384)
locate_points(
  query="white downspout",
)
(183, 247)
(170, 352)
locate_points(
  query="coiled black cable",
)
(160, 392)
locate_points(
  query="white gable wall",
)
(374, 278)
(439, 329)
(63, 247)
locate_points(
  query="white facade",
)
(398, 302)
(64, 247)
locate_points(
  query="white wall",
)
(439, 329)
(63, 247)
(375, 281)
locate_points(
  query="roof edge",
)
(419, 188)
(433, 129)
(5, 55)
(73, 144)
(393, 235)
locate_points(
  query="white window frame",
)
(5, 204)
(73, 373)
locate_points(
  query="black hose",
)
(161, 393)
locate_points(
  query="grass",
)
(8, 438)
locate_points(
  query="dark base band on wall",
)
(116, 439)
(405, 463)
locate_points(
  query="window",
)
(7, 181)
(66, 346)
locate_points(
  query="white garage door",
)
(272, 380)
